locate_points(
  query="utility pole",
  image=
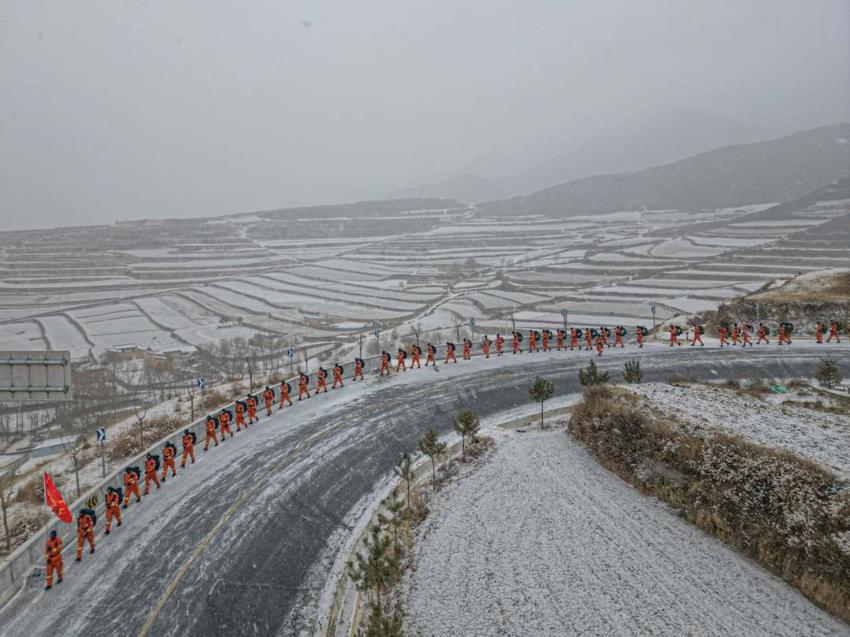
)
(564, 316)
(101, 438)
(250, 375)
(361, 344)
(652, 309)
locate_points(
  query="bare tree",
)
(141, 412)
(5, 498)
(72, 450)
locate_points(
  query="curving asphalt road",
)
(242, 542)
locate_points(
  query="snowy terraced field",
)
(167, 284)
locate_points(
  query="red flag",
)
(55, 501)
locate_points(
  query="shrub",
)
(592, 376)
(632, 373)
(828, 373)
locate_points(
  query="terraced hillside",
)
(324, 276)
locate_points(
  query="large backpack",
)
(360, 360)
(789, 327)
(579, 333)
(172, 446)
(120, 493)
(679, 330)
(642, 330)
(194, 437)
(766, 330)
(623, 331)
(433, 349)
(156, 460)
(91, 513)
(137, 471)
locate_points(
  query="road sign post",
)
(564, 317)
(201, 383)
(101, 438)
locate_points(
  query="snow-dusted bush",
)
(785, 511)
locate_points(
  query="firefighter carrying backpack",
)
(360, 360)
(172, 446)
(340, 368)
(91, 513)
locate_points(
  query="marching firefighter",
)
(697, 335)
(819, 333)
(432, 352)
(169, 452)
(640, 332)
(500, 341)
(785, 333)
(212, 425)
(358, 369)
(723, 333)
(606, 333)
(189, 439)
(251, 402)
(574, 336)
(467, 349)
(303, 386)
(285, 388)
(833, 333)
(85, 531)
(559, 343)
(401, 362)
(588, 339)
(532, 340)
(547, 334)
(131, 484)
(151, 467)
(224, 424)
(762, 335)
(385, 363)
(268, 399)
(736, 332)
(618, 335)
(675, 330)
(240, 407)
(321, 380)
(338, 370)
(745, 335)
(517, 337)
(53, 556)
(113, 508)
(450, 352)
(485, 346)
(600, 343)
(414, 359)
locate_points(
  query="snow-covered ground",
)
(823, 438)
(541, 540)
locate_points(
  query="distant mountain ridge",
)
(777, 170)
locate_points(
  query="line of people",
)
(246, 411)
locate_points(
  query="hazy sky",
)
(116, 110)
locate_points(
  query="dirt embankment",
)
(803, 300)
(784, 511)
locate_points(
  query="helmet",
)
(53, 534)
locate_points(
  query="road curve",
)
(241, 543)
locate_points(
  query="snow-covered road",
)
(243, 541)
(542, 540)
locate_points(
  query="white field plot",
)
(176, 284)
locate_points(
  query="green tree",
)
(592, 376)
(540, 391)
(431, 446)
(404, 469)
(829, 373)
(381, 625)
(467, 424)
(377, 569)
(632, 373)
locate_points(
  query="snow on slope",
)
(821, 437)
(542, 541)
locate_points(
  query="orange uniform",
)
(321, 380)
(401, 362)
(819, 333)
(385, 363)
(131, 486)
(546, 340)
(833, 333)
(252, 409)
(414, 359)
(600, 343)
(485, 346)
(285, 388)
(337, 370)
(499, 342)
(783, 335)
(588, 339)
(168, 453)
(432, 350)
(113, 508)
(188, 441)
(559, 343)
(723, 332)
(735, 334)
(450, 352)
(762, 333)
(618, 336)
(516, 343)
(85, 531)
(211, 434)
(574, 339)
(745, 336)
(532, 341)
(150, 473)
(240, 408)
(467, 349)
(697, 336)
(268, 399)
(53, 556)
(224, 424)
(358, 368)
(639, 335)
